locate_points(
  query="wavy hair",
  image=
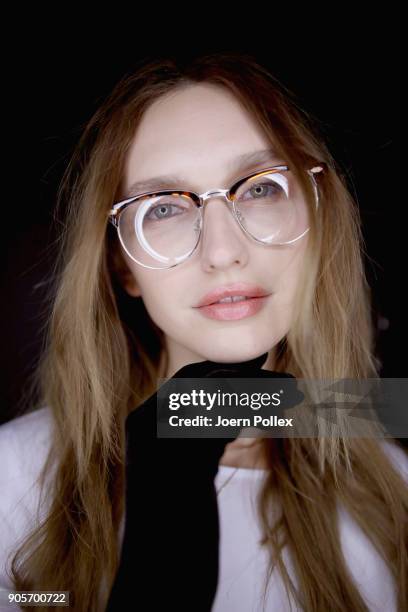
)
(102, 353)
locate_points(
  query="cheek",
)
(159, 297)
(288, 268)
(166, 290)
(153, 292)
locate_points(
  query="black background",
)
(351, 86)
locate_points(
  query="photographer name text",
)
(253, 421)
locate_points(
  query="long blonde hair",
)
(102, 353)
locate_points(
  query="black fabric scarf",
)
(169, 558)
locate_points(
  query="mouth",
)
(229, 310)
(232, 299)
(232, 294)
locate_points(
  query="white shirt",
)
(24, 443)
(243, 562)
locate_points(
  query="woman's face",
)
(196, 134)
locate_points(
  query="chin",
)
(235, 356)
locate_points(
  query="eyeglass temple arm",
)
(322, 167)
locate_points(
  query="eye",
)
(262, 190)
(161, 211)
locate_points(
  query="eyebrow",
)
(239, 164)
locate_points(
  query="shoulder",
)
(398, 456)
(24, 445)
(367, 567)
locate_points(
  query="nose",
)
(222, 241)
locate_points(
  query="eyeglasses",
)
(160, 230)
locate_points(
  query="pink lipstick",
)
(233, 302)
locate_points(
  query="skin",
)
(195, 133)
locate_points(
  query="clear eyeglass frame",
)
(200, 199)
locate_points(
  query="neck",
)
(167, 368)
(245, 453)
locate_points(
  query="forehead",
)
(237, 167)
(194, 135)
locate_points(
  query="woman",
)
(128, 312)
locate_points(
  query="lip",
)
(244, 289)
(234, 311)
